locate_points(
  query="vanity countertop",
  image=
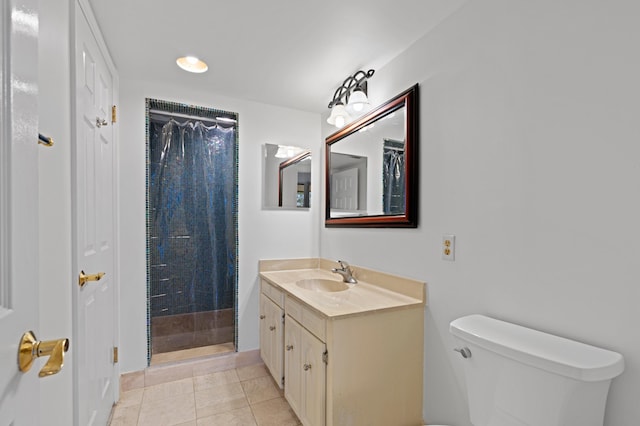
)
(375, 291)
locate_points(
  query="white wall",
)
(54, 108)
(530, 155)
(263, 234)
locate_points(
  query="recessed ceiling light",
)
(192, 64)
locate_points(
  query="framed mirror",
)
(372, 167)
(287, 177)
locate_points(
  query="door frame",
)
(87, 12)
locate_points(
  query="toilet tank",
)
(517, 376)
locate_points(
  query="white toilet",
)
(517, 376)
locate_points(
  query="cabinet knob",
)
(465, 352)
(262, 317)
(289, 347)
(306, 367)
(272, 327)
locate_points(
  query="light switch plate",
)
(448, 247)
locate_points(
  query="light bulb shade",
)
(358, 101)
(339, 115)
(282, 152)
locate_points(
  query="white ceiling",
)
(292, 53)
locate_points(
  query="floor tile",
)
(167, 390)
(215, 379)
(260, 389)
(168, 373)
(237, 417)
(129, 381)
(125, 416)
(168, 412)
(274, 412)
(212, 397)
(130, 398)
(213, 364)
(247, 358)
(252, 372)
(216, 400)
(185, 354)
(189, 423)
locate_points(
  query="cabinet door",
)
(293, 364)
(271, 337)
(313, 380)
(265, 338)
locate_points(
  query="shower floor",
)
(185, 354)
(172, 333)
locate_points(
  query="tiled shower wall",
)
(184, 331)
(192, 232)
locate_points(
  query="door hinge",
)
(325, 357)
(115, 354)
(114, 114)
(283, 318)
(282, 381)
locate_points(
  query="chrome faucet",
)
(345, 271)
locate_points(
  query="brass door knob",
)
(31, 348)
(83, 278)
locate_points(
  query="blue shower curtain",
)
(393, 178)
(192, 217)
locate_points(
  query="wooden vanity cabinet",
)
(361, 369)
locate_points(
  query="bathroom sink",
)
(319, 284)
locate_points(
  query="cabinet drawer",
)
(272, 293)
(309, 319)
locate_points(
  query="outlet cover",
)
(448, 247)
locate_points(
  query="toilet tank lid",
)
(546, 351)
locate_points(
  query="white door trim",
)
(87, 11)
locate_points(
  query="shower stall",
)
(192, 229)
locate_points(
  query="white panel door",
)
(19, 392)
(344, 190)
(94, 227)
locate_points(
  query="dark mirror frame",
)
(409, 100)
(291, 162)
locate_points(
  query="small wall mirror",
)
(372, 167)
(287, 177)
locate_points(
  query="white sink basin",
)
(319, 284)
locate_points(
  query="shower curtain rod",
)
(193, 117)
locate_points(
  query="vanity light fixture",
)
(353, 92)
(192, 64)
(339, 115)
(285, 151)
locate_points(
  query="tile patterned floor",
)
(245, 396)
(185, 354)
